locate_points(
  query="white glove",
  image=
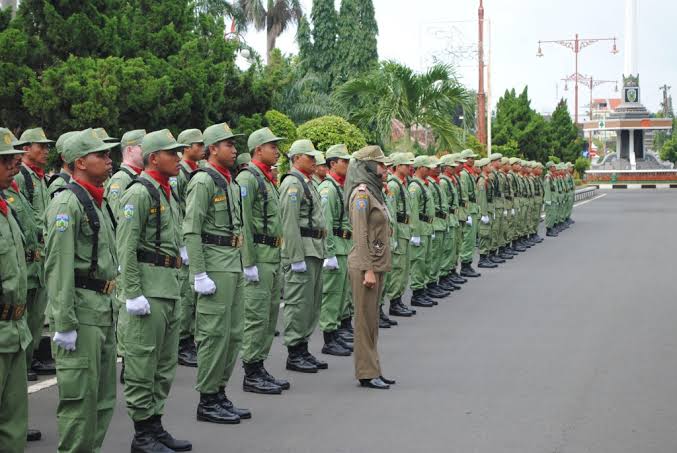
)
(485, 219)
(299, 267)
(138, 306)
(415, 241)
(469, 220)
(66, 340)
(331, 264)
(548, 203)
(203, 284)
(513, 211)
(432, 236)
(184, 254)
(505, 213)
(251, 274)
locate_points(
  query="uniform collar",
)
(39, 172)
(95, 192)
(161, 179)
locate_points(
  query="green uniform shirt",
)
(295, 214)
(253, 201)
(469, 193)
(136, 232)
(32, 235)
(40, 195)
(210, 210)
(441, 205)
(14, 335)
(335, 217)
(402, 207)
(56, 184)
(422, 204)
(482, 199)
(449, 185)
(115, 188)
(69, 252)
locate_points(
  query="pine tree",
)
(357, 45)
(564, 134)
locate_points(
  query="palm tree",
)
(396, 92)
(274, 16)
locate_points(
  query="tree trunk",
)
(274, 30)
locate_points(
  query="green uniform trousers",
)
(485, 240)
(550, 215)
(13, 402)
(151, 349)
(218, 331)
(397, 279)
(450, 254)
(335, 295)
(188, 301)
(469, 241)
(36, 303)
(302, 301)
(496, 225)
(436, 252)
(420, 259)
(87, 389)
(261, 308)
(119, 318)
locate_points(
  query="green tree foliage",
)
(282, 126)
(517, 121)
(564, 139)
(669, 150)
(581, 165)
(357, 43)
(325, 33)
(331, 130)
(16, 50)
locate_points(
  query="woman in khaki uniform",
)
(369, 259)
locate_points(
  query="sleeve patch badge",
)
(114, 190)
(361, 202)
(61, 222)
(293, 194)
(243, 191)
(173, 182)
(128, 211)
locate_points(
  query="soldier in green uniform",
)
(550, 199)
(190, 162)
(148, 241)
(241, 162)
(320, 170)
(450, 184)
(398, 278)
(440, 229)
(212, 233)
(335, 285)
(58, 180)
(80, 272)
(423, 214)
(132, 166)
(571, 187)
(303, 252)
(262, 238)
(384, 321)
(499, 207)
(471, 211)
(514, 214)
(31, 182)
(15, 336)
(485, 201)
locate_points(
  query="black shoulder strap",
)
(450, 190)
(129, 173)
(340, 192)
(425, 195)
(309, 196)
(155, 197)
(221, 183)
(186, 173)
(403, 198)
(92, 218)
(28, 183)
(264, 193)
(437, 191)
(63, 175)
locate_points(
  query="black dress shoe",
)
(43, 368)
(33, 435)
(31, 376)
(211, 410)
(332, 347)
(388, 381)
(167, 439)
(244, 414)
(375, 383)
(385, 318)
(187, 353)
(282, 383)
(254, 380)
(312, 359)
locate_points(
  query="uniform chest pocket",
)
(221, 214)
(4, 246)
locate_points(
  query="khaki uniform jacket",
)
(371, 228)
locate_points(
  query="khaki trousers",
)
(367, 364)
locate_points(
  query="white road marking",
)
(592, 199)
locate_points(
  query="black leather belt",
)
(271, 241)
(11, 312)
(158, 259)
(425, 218)
(33, 255)
(402, 218)
(94, 284)
(223, 241)
(344, 234)
(441, 215)
(312, 233)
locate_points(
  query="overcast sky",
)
(413, 32)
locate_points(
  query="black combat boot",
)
(43, 368)
(255, 381)
(486, 263)
(448, 281)
(517, 247)
(435, 292)
(345, 331)
(349, 345)
(211, 410)
(145, 439)
(167, 439)
(312, 359)
(419, 300)
(33, 435)
(468, 271)
(503, 254)
(457, 279)
(244, 414)
(282, 383)
(537, 238)
(385, 317)
(397, 309)
(495, 258)
(551, 233)
(187, 352)
(331, 346)
(296, 361)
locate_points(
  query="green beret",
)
(159, 141)
(218, 133)
(8, 142)
(190, 136)
(261, 137)
(82, 143)
(132, 138)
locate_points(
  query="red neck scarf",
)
(266, 170)
(307, 175)
(3, 207)
(14, 186)
(224, 171)
(425, 181)
(341, 180)
(469, 169)
(436, 179)
(95, 192)
(40, 172)
(136, 170)
(162, 180)
(403, 179)
(191, 164)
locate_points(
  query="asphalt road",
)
(570, 348)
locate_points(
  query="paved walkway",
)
(570, 348)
